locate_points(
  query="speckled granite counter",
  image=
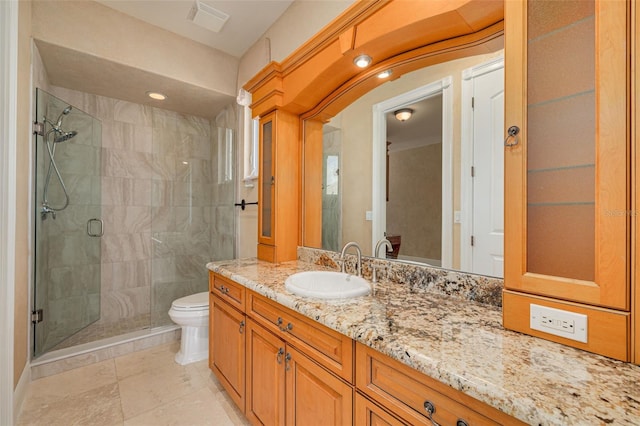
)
(463, 344)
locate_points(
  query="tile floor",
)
(141, 388)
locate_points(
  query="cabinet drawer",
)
(331, 349)
(229, 291)
(369, 413)
(405, 391)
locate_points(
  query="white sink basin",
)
(327, 285)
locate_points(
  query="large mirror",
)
(430, 180)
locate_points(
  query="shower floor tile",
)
(99, 331)
(141, 388)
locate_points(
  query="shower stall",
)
(130, 203)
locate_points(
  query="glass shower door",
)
(67, 221)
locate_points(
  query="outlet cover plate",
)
(569, 325)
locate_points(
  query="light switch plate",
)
(558, 322)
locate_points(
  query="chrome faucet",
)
(358, 253)
(379, 244)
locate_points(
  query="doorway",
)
(387, 211)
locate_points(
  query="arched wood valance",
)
(400, 34)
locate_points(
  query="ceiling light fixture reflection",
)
(362, 61)
(403, 114)
(385, 74)
(157, 96)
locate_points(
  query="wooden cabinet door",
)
(265, 377)
(567, 172)
(279, 187)
(228, 349)
(313, 395)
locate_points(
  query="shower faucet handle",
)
(46, 210)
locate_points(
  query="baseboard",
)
(20, 392)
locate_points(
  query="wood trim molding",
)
(485, 41)
(635, 182)
(413, 36)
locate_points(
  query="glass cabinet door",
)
(267, 181)
(566, 171)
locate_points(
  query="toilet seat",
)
(193, 302)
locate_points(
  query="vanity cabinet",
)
(567, 170)
(278, 187)
(286, 387)
(408, 394)
(298, 371)
(227, 323)
(332, 350)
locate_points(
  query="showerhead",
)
(64, 112)
(64, 136)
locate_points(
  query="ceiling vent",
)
(207, 16)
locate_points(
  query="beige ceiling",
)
(91, 73)
(70, 68)
(248, 20)
(423, 128)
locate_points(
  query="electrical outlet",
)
(368, 215)
(558, 322)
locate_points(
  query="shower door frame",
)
(68, 231)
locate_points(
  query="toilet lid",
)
(193, 301)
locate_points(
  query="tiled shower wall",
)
(160, 206)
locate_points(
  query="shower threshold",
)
(57, 361)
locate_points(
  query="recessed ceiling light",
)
(157, 96)
(385, 74)
(362, 61)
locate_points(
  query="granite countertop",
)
(463, 344)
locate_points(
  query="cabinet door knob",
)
(430, 408)
(287, 359)
(461, 422)
(273, 180)
(512, 132)
(279, 356)
(241, 330)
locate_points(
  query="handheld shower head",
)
(64, 112)
(64, 136)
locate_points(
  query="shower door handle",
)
(90, 231)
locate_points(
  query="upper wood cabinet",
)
(278, 192)
(567, 171)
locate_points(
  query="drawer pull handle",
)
(279, 356)
(287, 328)
(430, 409)
(279, 323)
(221, 289)
(241, 327)
(461, 422)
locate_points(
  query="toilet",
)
(192, 314)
